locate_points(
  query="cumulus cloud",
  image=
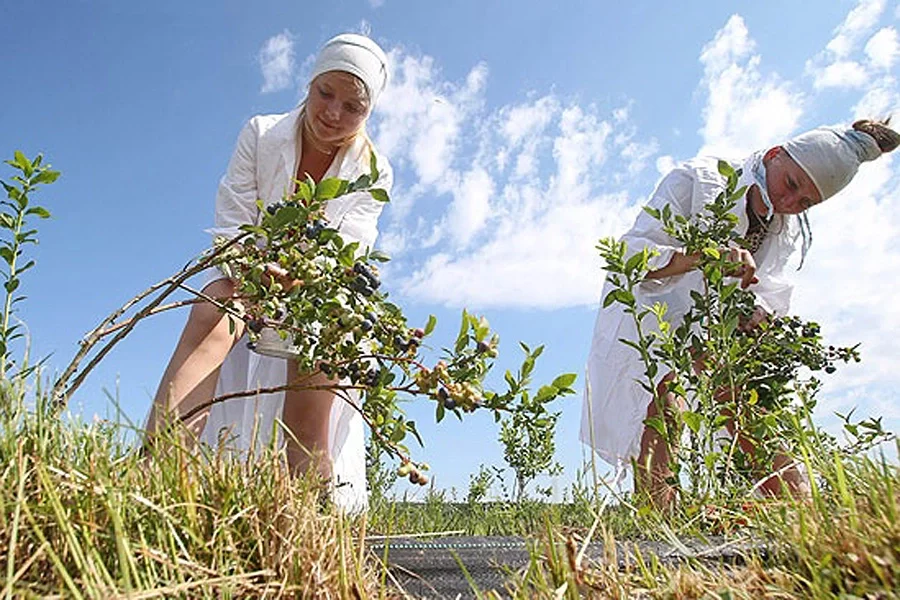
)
(832, 67)
(883, 48)
(855, 26)
(498, 202)
(746, 109)
(276, 59)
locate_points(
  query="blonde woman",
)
(323, 137)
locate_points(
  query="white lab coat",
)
(263, 166)
(615, 405)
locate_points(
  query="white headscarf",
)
(832, 155)
(358, 55)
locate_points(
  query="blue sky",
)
(520, 134)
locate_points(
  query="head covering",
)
(832, 155)
(358, 55)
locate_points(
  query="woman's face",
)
(790, 188)
(337, 106)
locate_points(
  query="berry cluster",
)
(413, 472)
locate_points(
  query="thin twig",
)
(60, 393)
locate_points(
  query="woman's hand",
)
(745, 266)
(279, 274)
(759, 316)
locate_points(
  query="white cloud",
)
(842, 73)
(832, 67)
(276, 59)
(883, 48)
(540, 259)
(580, 146)
(664, 164)
(470, 208)
(497, 203)
(745, 109)
(855, 26)
(880, 100)
(376, 3)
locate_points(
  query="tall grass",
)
(83, 515)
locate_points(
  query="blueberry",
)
(371, 317)
(482, 347)
(366, 325)
(272, 209)
(255, 325)
(449, 404)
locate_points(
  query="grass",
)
(82, 515)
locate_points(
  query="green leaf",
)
(610, 298)
(373, 167)
(285, 215)
(430, 325)
(362, 182)
(40, 211)
(46, 176)
(725, 169)
(347, 254)
(692, 420)
(565, 381)
(636, 261)
(21, 161)
(545, 393)
(379, 194)
(11, 285)
(304, 192)
(328, 188)
(712, 253)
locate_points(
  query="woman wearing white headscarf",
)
(323, 137)
(782, 183)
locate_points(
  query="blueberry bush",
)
(762, 380)
(297, 276)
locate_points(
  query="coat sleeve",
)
(360, 222)
(675, 190)
(238, 191)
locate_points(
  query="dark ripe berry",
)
(272, 209)
(359, 268)
(830, 369)
(414, 477)
(371, 317)
(325, 368)
(482, 347)
(366, 325)
(412, 343)
(449, 403)
(255, 325)
(418, 332)
(311, 232)
(443, 395)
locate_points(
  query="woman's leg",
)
(307, 414)
(785, 476)
(653, 471)
(191, 376)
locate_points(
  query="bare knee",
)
(207, 323)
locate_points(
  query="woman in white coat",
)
(782, 183)
(323, 137)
